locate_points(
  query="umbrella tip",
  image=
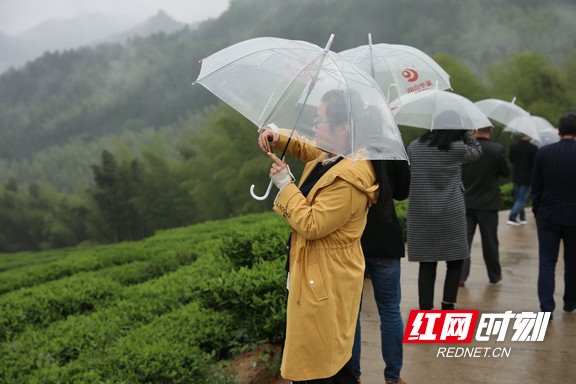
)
(329, 42)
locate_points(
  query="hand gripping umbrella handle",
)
(266, 194)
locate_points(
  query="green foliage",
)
(538, 87)
(402, 213)
(163, 156)
(244, 249)
(91, 327)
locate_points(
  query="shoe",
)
(448, 306)
(461, 283)
(569, 308)
(498, 279)
(523, 222)
(515, 223)
(396, 382)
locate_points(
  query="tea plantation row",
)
(170, 309)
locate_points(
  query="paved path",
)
(550, 361)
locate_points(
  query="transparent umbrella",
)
(427, 108)
(507, 113)
(534, 126)
(548, 133)
(280, 81)
(398, 69)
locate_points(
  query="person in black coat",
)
(481, 180)
(554, 207)
(383, 247)
(522, 155)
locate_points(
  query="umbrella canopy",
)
(501, 111)
(280, 81)
(398, 69)
(524, 125)
(547, 132)
(435, 109)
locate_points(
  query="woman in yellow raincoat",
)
(327, 213)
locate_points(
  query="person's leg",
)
(471, 221)
(488, 221)
(385, 277)
(453, 271)
(426, 280)
(569, 269)
(357, 346)
(515, 210)
(548, 248)
(522, 197)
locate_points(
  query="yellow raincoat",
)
(326, 263)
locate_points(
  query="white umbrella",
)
(422, 110)
(274, 80)
(547, 132)
(526, 125)
(398, 69)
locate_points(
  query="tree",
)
(537, 86)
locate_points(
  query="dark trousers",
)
(344, 376)
(487, 221)
(427, 279)
(549, 238)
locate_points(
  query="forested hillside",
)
(111, 142)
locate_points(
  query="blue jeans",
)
(520, 196)
(385, 276)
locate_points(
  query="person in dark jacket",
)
(383, 247)
(482, 199)
(554, 207)
(522, 155)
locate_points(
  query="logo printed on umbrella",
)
(410, 75)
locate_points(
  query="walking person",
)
(436, 210)
(383, 247)
(522, 155)
(482, 198)
(554, 207)
(327, 212)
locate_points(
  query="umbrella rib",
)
(310, 88)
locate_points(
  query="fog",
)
(17, 16)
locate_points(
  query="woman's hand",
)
(268, 139)
(280, 172)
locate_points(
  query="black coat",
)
(382, 237)
(522, 155)
(481, 177)
(554, 183)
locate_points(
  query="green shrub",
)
(246, 247)
(256, 299)
(47, 303)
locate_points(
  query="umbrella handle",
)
(255, 197)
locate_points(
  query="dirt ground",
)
(258, 366)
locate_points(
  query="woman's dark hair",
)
(444, 130)
(442, 138)
(385, 201)
(336, 107)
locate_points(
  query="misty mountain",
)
(161, 22)
(56, 106)
(54, 35)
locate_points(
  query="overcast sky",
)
(19, 15)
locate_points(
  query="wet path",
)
(550, 361)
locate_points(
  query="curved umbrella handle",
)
(266, 194)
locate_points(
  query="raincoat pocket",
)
(316, 282)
